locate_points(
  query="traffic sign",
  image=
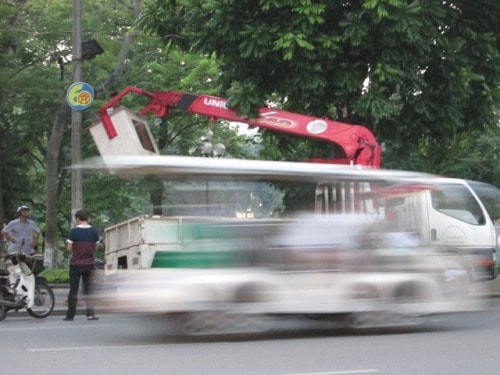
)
(80, 96)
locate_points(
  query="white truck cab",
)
(446, 214)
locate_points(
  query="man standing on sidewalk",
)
(82, 242)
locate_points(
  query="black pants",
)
(85, 273)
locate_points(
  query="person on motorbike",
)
(22, 232)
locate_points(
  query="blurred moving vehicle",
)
(354, 275)
(448, 214)
(414, 243)
(361, 260)
(445, 213)
(441, 212)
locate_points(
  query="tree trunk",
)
(3, 219)
(51, 185)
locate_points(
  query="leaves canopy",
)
(35, 71)
(423, 75)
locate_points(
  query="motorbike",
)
(22, 288)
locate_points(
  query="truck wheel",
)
(205, 323)
(250, 293)
(364, 291)
(3, 309)
(456, 283)
(409, 292)
(3, 313)
(197, 323)
(380, 319)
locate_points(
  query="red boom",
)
(357, 142)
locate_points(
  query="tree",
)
(35, 51)
(30, 90)
(421, 74)
(35, 142)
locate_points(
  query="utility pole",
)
(76, 116)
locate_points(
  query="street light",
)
(76, 116)
(219, 150)
(90, 49)
(206, 149)
(209, 150)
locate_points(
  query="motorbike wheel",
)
(44, 301)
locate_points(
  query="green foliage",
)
(29, 91)
(418, 73)
(472, 155)
(56, 275)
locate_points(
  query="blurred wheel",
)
(365, 292)
(251, 293)
(380, 319)
(456, 284)
(3, 309)
(221, 323)
(409, 292)
(3, 313)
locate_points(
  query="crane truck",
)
(444, 214)
(440, 222)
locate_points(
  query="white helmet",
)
(23, 207)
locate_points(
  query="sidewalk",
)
(61, 301)
(61, 298)
(60, 307)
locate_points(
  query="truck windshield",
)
(489, 196)
(457, 201)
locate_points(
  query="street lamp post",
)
(209, 150)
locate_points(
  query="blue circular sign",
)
(80, 96)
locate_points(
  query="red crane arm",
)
(358, 143)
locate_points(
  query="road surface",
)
(459, 344)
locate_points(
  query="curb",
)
(60, 306)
